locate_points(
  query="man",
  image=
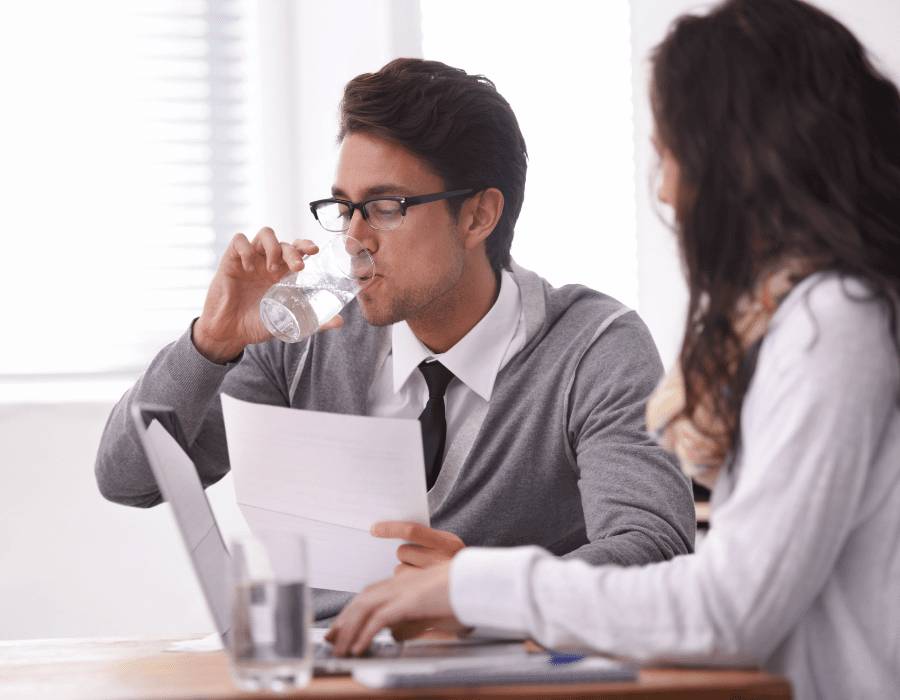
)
(531, 398)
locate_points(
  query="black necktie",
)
(434, 418)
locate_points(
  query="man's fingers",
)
(418, 534)
(277, 255)
(336, 322)
(420, 557)
(399, 529)
(242, 248)
(265, 242)
(306, 246)
(292, 257)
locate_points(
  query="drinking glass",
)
(269, 645)
(298, 304)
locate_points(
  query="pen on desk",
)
(559, 658)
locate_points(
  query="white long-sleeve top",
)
(800, 572)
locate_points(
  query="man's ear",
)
(480, 215)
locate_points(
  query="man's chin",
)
(375, 314)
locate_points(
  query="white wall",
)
(572, 100)
(72, 563)
(661, 289)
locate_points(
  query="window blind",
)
(127, 161)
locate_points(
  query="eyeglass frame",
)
(405, 203)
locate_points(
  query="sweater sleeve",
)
(637, 504)
(180, 377)
(813, 422)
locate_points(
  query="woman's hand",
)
(408, 603)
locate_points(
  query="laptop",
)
(176, 475)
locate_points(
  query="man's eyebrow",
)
(375, 191)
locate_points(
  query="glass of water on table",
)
(295, 307)
(269, 645)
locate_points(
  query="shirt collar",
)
(477, 358)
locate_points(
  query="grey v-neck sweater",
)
(560, 459)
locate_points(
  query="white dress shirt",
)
(800, 571)
(399, 389)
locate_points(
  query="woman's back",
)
(814, 497)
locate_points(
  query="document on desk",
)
(329, 477)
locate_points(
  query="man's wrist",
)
(219, 353)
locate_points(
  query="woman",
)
(780, 155)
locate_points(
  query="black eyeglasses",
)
(381, 213)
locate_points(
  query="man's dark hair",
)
(458, 123)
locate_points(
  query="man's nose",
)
(362, 232)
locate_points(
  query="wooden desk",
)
(81, 669)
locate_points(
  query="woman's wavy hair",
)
(788, 144)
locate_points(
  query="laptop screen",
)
(180, 486)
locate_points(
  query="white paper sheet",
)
(330, 477)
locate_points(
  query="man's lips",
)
(375, 280)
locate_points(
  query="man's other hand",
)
(426, 546)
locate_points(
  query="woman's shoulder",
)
(832, 317)
(827, 369)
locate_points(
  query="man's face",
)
(416, 264)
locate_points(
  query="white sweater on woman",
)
(800, 572)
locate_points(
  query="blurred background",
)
(137, 137)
